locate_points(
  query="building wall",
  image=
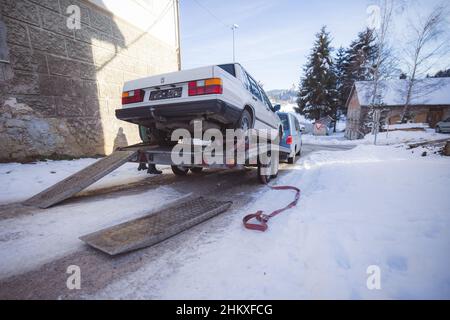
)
(59, 90)
(420, 114)
(353, 127)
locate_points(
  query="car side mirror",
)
(276, 108)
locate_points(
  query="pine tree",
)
(317, 92)
(339, 67)
(358, 62)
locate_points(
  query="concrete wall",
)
(61, 86)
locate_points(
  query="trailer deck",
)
(153, 227)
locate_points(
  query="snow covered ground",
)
(381, 206)
(374, 205)
(29, 241)
(21, 181)
(383, 138)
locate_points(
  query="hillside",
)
(283, 96)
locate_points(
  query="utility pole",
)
(234, 27)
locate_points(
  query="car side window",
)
(254, 88)
(266, 99)
(297, 125)
(245, 81)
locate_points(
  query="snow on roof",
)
(430, 91)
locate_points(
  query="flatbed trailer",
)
(152, 227)
(153, 154)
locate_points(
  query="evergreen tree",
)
(339, 67)
(358, 62)
(317, 95)
(442, 74)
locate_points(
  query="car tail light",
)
(133, 96)
(289, 140)
(208, 86)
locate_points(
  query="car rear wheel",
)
(245, 121)
(438, 130)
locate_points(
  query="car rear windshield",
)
(284, 120)
(228, 68)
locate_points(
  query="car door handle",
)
(254, 98)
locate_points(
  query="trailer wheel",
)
(273, 164)
(264, 179)
(196, 170)
(180, 170)
(291, 160)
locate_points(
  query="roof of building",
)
(430, 91)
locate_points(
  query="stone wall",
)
(61, 86)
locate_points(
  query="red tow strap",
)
(263, 218)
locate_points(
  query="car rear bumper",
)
(214, 109)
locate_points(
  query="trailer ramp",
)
(80, 180)
(156, 227)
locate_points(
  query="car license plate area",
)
(166, 94)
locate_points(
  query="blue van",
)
(292, 136)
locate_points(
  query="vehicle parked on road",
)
(292, 136)
(221, 96)
(443, 126)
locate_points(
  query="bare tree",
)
(385, 63)
(426, 46)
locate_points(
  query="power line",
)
(212, 14)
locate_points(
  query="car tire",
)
(438, 130)
(180, 171)
(245, 122)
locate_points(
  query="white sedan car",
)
(221, 96)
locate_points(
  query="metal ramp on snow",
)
(156, 227)
(80, 180)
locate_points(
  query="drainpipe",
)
(177, 5)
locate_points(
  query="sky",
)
(274, 37)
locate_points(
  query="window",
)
(254, 88)
(228, 68)
(297, 125)
(245, 81)
(284, 120)
(266, 99)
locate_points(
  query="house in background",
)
(430, 103)
(60, 82)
